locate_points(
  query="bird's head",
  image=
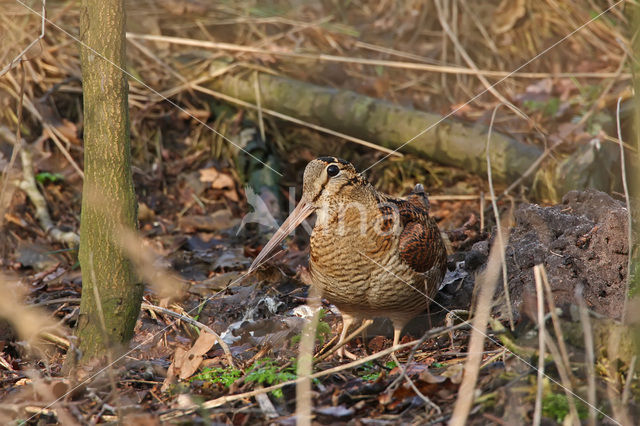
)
(327, 181)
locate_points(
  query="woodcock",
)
(371, 255)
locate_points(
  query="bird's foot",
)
(342, 353)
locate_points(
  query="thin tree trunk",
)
(111, 293)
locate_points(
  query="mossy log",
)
(448, 142)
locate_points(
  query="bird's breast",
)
(355, 263)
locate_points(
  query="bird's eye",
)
(333, 170)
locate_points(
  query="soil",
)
(582, 244)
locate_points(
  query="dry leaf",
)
(454, 373)
(220, 181)
(69, 130)
(428, 377)
(185, 363)
(218, 221)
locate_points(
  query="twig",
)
(424, 398)
(28, 185)
(487, 281)
(256, 84)
(365, 324)
(627, 384)
(56, 340)
(449, 321)
(266, 406)
(460, 197)
(537, 411)
(395, 52)
(40, 411)
(4, 363)
(560, 354)
(564, 370)
(196, 323)
(556, 320)
(305, 361)
(503, 258)
(501, 353)
(56, 301)
(482, 199)
(590, 357)
(373, 62)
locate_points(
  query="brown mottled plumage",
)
(371, 255)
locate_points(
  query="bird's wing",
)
(420, 244)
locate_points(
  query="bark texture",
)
(111, 293)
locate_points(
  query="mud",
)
(583, 245)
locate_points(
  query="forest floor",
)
(195, 192)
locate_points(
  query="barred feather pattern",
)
(389, 264)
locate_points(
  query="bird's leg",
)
(365, 324)
(347, 320)
(364, 340)
(396, 339)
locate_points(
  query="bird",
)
(370, 254)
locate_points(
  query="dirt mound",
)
(582, 241)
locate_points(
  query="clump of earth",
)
(582, 244)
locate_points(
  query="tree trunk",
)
(111, 293)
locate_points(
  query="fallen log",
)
(447, 141)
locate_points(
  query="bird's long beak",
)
(300, 213)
